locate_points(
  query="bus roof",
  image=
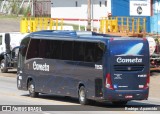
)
(76, 35)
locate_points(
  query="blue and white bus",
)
(85, 65)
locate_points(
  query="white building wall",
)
(67, 9)
(102, 11)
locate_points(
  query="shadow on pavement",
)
(93, 106)
(155, 73)
(13, 72)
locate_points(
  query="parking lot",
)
(9, 24)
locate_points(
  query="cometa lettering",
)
(41, 67)
(135, 60)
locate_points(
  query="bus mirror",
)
(19, 47)
(7, 42)
(16, 50)
(7, 38)
(13, 54)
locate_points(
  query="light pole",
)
(89, 16)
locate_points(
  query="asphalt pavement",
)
(10, 95)
(9, 24)
(9, 88)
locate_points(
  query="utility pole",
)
(89, 16)
(33, 8)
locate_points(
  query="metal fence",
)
(104, 25)
(123, 25)
(41, 23)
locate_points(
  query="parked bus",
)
(85, 65)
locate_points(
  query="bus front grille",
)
(128, 68)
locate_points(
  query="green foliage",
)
(27, 11)
(14, 5)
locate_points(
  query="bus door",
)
(21, 63)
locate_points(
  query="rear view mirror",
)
(7, 38)
(7, 42)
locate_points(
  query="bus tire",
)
(31, 89)
(119, 103)
(82, 96)
(4, 69)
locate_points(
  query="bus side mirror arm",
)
(13, 51)
(17, 47)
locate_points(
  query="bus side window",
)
(57, 50)
(99, 51)
(33, 50)
(42, 49)
(67, 50)
(48, 48)
(89, 52)
(79, 51)
(52, 48)
(23, 51)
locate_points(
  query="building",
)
(155, 19)
(133, 8)
(75, 10)
(78, 9)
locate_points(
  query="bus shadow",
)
(97, 106)
(155, 73)
(56, 98)
(59, 98)
(13, 71)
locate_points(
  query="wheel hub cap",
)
(31, 88)
(82, 96)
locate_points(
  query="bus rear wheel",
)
(82, 96)
(31, 89)
(119, 102)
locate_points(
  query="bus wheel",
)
(31, 89)
(82, 96)
(3, 67)
(119, 102)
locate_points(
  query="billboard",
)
(140, 7)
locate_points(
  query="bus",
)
(84, 65)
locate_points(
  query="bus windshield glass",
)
(128, 48)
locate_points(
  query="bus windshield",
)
(128, 48)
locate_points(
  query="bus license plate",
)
(128, 96)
